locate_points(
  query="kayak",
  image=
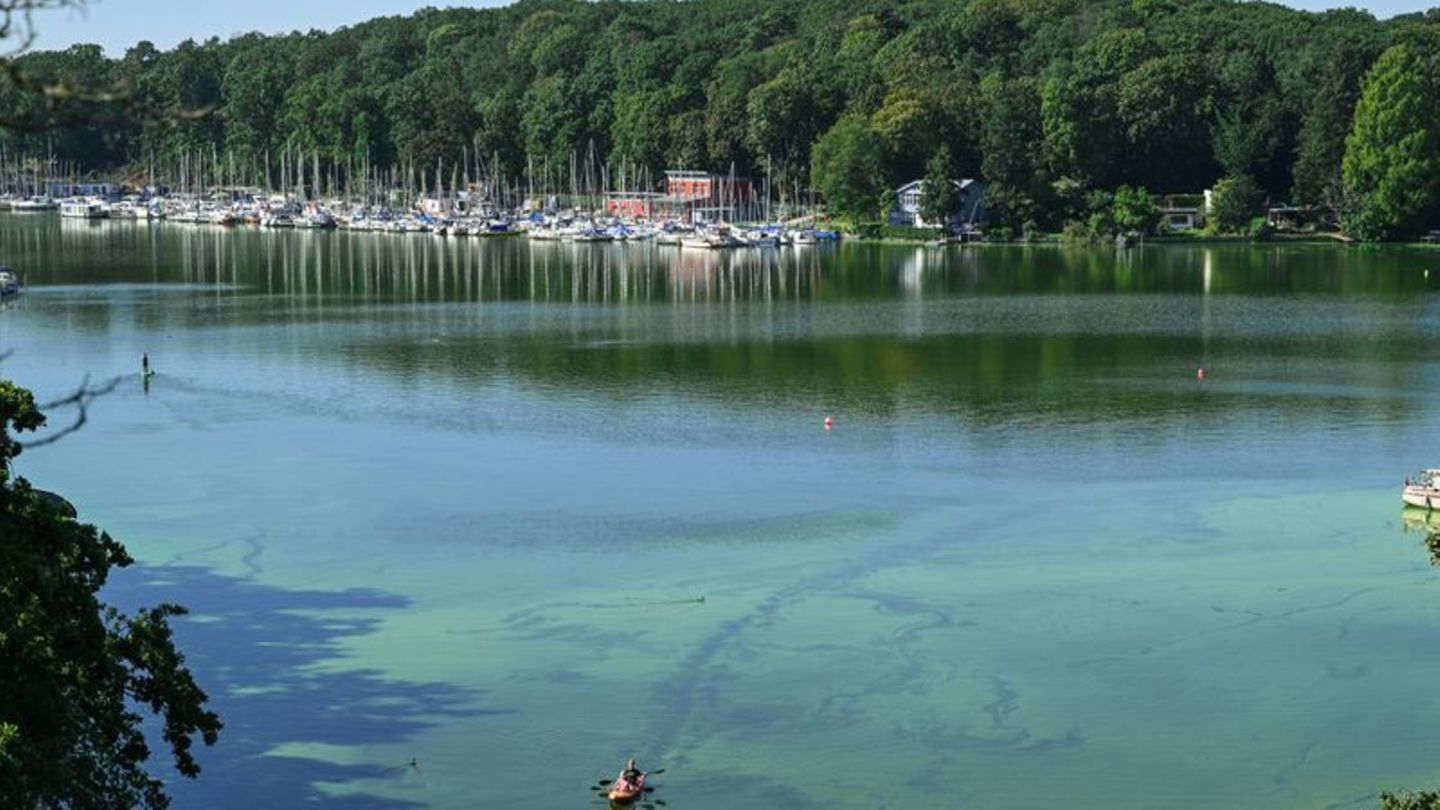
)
(624, 790)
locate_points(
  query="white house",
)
(908, 200)
(1184, 212)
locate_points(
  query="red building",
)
(688, 195)
(703, 189)
(632, 204)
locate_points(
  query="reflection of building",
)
(698, 196)
(910, 197)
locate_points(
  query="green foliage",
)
(1405, 800)
(1327, 122)
(846, 168)
(1234, 202)
(1016, 189)
(940, 200)
(74, 672)
(1135, 210)
(905, 233)
(781, 119)
(1392, 157)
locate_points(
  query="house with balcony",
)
(1184, 212)
(910, 197)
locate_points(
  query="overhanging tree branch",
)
(66, 103)
(80, 400)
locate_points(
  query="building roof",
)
(915, 185)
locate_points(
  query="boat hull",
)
(1423, 497)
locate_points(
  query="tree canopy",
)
(75, 674)
(1392, 157)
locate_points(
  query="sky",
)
(118, 24)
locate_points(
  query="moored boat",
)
(34, 204)
(9, 283)
(1423, 490)
(83, 209)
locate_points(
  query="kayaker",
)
(631, 773)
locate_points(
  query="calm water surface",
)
(517, 511)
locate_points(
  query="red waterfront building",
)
(688, 195)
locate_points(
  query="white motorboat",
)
(9, 284)
(1423, 490)
(33, 204)
(84, 209)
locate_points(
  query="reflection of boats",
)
(1425, 520)
(1423, 490)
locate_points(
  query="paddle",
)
(602, 784)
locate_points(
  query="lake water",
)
(518, 511)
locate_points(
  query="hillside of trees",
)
(1051, 102)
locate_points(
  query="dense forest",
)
(1055, 104)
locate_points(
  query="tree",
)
(845, 167)
(1233, 203)
(1321, 145)
(781, 121)
(1011, 142)
(1135, 210)
(939, 201)
(1392, 157)
(72, 669)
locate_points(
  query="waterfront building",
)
(909, 197)
(689, 195)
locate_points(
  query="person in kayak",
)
(631, 774)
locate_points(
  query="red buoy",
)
(829, 423)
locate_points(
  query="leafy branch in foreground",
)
(57, 101)
(73, 670)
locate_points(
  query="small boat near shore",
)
(1422, 490)
(9, 283)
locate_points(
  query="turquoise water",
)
(518, 511)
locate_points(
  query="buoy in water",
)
(1200, 373)
(829, 423)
